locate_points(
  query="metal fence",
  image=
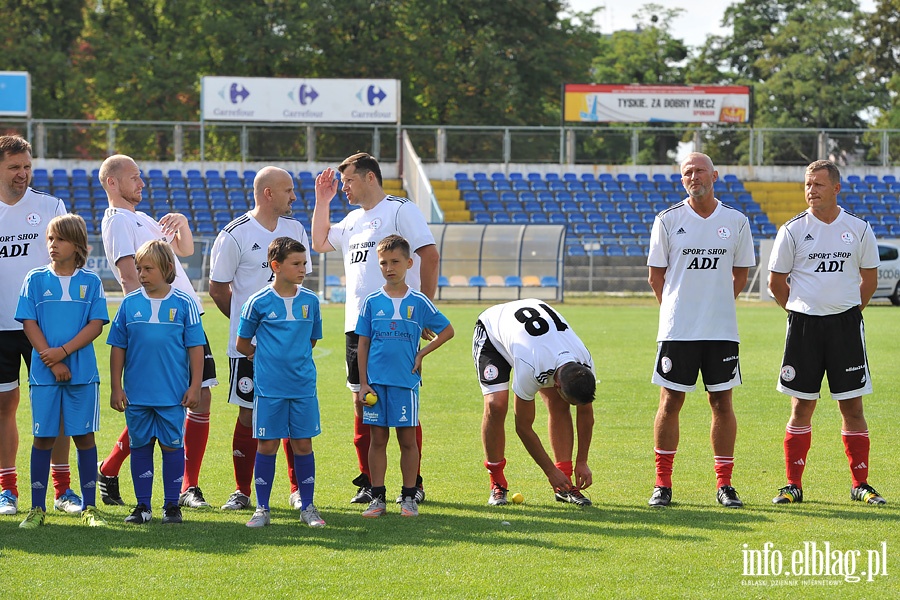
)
(652, 144)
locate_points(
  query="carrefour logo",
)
(306, 94)
(371, 95)
(234, 94)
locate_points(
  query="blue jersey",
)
(395, 326)
(283, 366)
(156, 334)
(62, 306)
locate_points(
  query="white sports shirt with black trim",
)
(240, 256)
(356, 238)
(23, 246)
(536, 340)
(124, 231)
(699, 255)
(824, 260)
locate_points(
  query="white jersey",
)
(124, 231)
(356, 238)
(699, 255)
(23, 246)
(240, 257)
(536, 340)
(824, 260)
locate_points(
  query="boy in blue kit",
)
(157, 341)
(389, 327)
(62, 309)
(285, 319)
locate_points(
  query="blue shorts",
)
(164, 423)
(396, 407)
(280, 418)
(78, 405)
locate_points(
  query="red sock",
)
(856, 446)
(724, 465)
(361, 441)
(664, 462)
(243, 454)
(419, 444)
(121, 449)
(196, 435)
(62, 480)
(496, 471)
(289, 454)
(796, 447)
(565, 467)
(8, 481)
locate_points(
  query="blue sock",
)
(40, 476)
(172, 475)
(87, 476)
(142, 473)
(264, 473)
(305, 466)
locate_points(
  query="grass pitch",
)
(461, 548)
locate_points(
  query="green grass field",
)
(461, 548)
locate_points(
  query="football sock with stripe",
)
(142, 473)
(87, 476)
(796, 446)
(172, 474)
(120, 451)
(196, 436)
(665, 460)
(265, 473)
(305, 467)
(62, 478)
(40, 475)
(856, 447)
(243, 447)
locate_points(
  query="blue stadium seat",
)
(480, 176)
(768, 229)
(593, 186)
(613, 217)
(588, 177)
(639, 177)
(557, 218)
(481, 217)
(460, 176)
(477, 281)
(539, 218)
(660, 178)
(516, 176)
(443, 281)
(634, 251)
(549, 281)
(519, 218)
(614, 250)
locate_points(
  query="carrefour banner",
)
(589, 103)
(300, 100)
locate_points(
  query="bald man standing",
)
(239, 269)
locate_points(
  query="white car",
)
(889, 271)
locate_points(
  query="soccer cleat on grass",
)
(409, 507)
(377, 507)
(573, 496)
(727, 497)
(90, 516)
(498, 495)
(193, 498)
(260, 518)
(9, 503)
(662, 496)
(789, 494)
(866, 493)
(364, 493)
(172, 514)
(310, 516)
(140, 515)
(294, 500)
(109, 488)
(237, 501)
(420, 492)
(68, 502)
(34, 519)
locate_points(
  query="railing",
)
(417, 184)
(572, 145)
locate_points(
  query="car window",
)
(887, 253)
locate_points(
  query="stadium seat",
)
(519, 218)
(443, 281)
(477, 281)
(512, 281)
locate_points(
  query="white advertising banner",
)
(300, 100)
(601, 103)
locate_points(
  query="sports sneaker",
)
(109, 488)
(140, 515)
(409, 507)
(34, 519)
(788, 494)
(573, 496)
(193, 498)
(9, 503)
(68, 502)
(260, 518)
(498, 495)
(172, 514)
(377, 507)
(90, 516)
(420, 492)
(237, 501)
(294, 500)
(662, 496)
(364, 493)
(311, 517)
(866, 493)
(727, 497)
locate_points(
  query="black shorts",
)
(350, 356)
(209, 365)
(240, 382)
(818, 345)
(679, 363)
(14, 347)
(493, 370)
